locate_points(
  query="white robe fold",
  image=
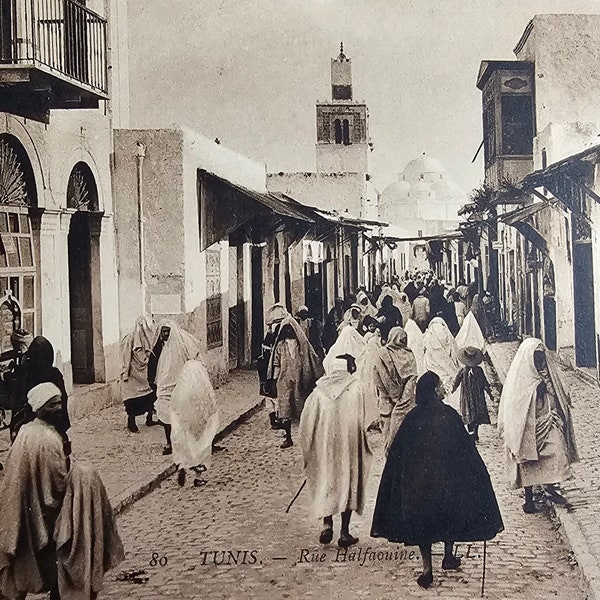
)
(336, 452)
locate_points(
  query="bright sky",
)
(250, 72)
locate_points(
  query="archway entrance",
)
(84, 277)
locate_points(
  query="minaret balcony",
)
(53, 55)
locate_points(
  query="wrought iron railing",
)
(60, 36)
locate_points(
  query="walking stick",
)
(483, 574)
(287, 510)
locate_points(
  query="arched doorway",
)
(18, 263)
(83, 252)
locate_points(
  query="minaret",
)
(342, 124)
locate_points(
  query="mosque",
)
(422, 204)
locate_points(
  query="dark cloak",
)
(435, 486)
(37, 367)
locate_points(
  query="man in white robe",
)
(336, 453)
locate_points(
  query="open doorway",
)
(80, 298)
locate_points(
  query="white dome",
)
(423, 168)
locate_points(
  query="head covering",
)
(440, 349)
(177, 350)
(349, 342)
(426, 387)
(470, 333)
(40, 354)
(276, 313)
(397, 338)
(470, 356)
(302, 308)
(40, 394)
(415, 343)
(362, 300)
(139, 339)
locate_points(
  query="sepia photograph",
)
(297, 299)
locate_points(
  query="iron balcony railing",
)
(61, 37)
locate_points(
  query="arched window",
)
(82, 193)
(338, 131)
(346, 132)
(17, 261)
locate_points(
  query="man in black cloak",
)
(435, 486)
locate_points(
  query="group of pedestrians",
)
(164, 374)
(396, 365)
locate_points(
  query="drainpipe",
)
(139, 155)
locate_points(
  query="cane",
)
(287, 510)
(483, 574)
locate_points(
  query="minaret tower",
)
(342, 124)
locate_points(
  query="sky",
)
(250, 72)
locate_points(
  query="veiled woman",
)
(136, 391)
(434, 487)
(195, 421)
(171, 349)
(441, 354)
(295, 367)
(534, 418)
(395, 374)
(415, 343)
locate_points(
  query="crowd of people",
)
(397, 362)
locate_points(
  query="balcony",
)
(52, 55)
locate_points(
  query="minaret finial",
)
(341, 47)
(342, 56)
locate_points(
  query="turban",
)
(276, 314)
(40, 394)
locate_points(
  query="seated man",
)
(43, 543)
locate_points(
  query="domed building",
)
(424, 201)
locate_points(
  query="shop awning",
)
(267, 199)
(518, 220)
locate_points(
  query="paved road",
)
(242, 511)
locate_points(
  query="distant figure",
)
(139, 397)
(395, 378)
(440, 351)
(459, 308)
(473, 386)
(434, 487)
(336, 452)
(415, 343)
(421, 312)
(311, 329)
(295, 368)
(332, 322)
(479, 312)
(389, 316)
(534, 418)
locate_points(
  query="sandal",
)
(199, 482)
(167, 450)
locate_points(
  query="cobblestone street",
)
(183, 532)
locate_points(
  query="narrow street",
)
(182, 539)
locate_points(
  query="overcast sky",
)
(250, 72)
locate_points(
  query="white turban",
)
(40, 394)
